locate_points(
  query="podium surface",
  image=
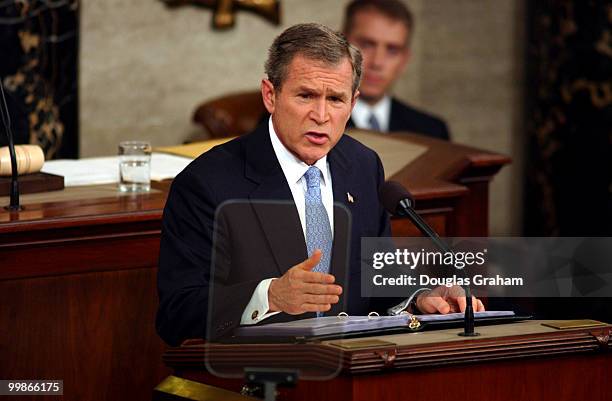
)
(517, 361)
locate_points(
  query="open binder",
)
(344, 325)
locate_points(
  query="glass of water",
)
(134, 166)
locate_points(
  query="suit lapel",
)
(272, 201)
(397, 120)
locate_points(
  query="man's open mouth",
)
(317, 138)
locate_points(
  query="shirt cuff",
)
(258, 307)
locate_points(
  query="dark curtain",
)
(569, 186)
(569, 120)
(38, 68)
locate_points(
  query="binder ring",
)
(372, 315)
(343, 315)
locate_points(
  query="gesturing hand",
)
(301, 290)
(446, 300)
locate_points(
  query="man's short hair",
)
(393, 9)
(312, 41)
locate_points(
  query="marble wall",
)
(144, 68)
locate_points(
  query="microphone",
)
(6, 121)
(399, 202)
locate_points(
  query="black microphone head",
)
(391, 194)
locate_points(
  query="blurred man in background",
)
(382, 30)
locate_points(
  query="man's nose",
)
(377, 57)
(319, 112)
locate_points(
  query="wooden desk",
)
(78, 293)
(520, 361)
(77, 272)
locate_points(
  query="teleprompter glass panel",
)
(254, 241)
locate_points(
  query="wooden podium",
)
(450, 183)
(518, 361)
(78, 271)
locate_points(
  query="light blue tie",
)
(373, 121)
(318, 230)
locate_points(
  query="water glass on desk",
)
(134, 166)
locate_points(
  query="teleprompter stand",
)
(269, 379)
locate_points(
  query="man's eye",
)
(335, 99)
(305, 95)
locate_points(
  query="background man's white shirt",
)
(363, 111)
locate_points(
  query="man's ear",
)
(268, 95)
(354, 100)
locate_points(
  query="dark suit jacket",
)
(406, 118)
(255, 238)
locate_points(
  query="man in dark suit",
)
(258, 229)
(381, 29)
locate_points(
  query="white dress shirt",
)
(382, 111)
(294, 169)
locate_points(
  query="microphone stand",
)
(14, 188)
(406, 209)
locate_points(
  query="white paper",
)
(165, 166)
(105, 170)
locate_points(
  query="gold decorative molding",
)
(191, 390)
(224, 11)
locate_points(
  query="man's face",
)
(310, 111)
(382, 42)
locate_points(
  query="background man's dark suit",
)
(406, 118)
(270, 240)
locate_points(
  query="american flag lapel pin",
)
(350, 198)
